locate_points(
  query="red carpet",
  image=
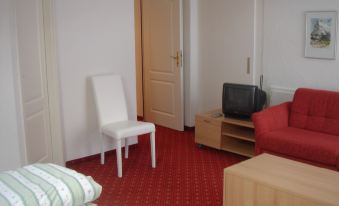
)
(185, 173)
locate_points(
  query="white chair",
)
(113, 118)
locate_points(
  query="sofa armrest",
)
(270, 119)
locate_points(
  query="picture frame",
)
(321, 34)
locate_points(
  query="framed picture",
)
(321, 34)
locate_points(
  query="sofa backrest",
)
(315, 110)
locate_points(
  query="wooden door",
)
(162, 62)
(31, 55)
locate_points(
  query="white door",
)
(238, 25)
(162, 62)
(226, 34)
(31, 54)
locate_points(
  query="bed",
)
(47, 184)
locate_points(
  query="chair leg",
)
(119, 161)
(102, 149)
(126, 148)
(152, 139)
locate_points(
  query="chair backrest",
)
(109, 99)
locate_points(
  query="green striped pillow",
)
(47, 184)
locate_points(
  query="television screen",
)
(240, 100)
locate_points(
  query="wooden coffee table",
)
(267, 180)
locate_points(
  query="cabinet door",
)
(31, 51)
(226, 38)
(208, 131)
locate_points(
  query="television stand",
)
(229, 134)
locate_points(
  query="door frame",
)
(55, 121)
(182, 59)
(139, 58)
(53, 82)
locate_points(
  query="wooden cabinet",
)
(232, 135)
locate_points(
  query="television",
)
(240, 101)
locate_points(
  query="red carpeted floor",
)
(185, 173)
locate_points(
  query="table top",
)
(217, 114)
(287, 175)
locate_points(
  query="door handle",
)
(248, 65)
(177, 58)
(207, 121)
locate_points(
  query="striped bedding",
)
(47, 184)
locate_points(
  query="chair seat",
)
(128, 128)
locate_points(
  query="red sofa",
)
(306, 129)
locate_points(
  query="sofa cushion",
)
(304, 144)
(315, 110)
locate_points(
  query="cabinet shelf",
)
(238, 137)
(237, 146)
(243, 123)
(238, 132)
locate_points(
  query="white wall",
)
(284, 34)
(93, 37)
(10, 155)
(192, 55)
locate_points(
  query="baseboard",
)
(87, 159)
(92, 157)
